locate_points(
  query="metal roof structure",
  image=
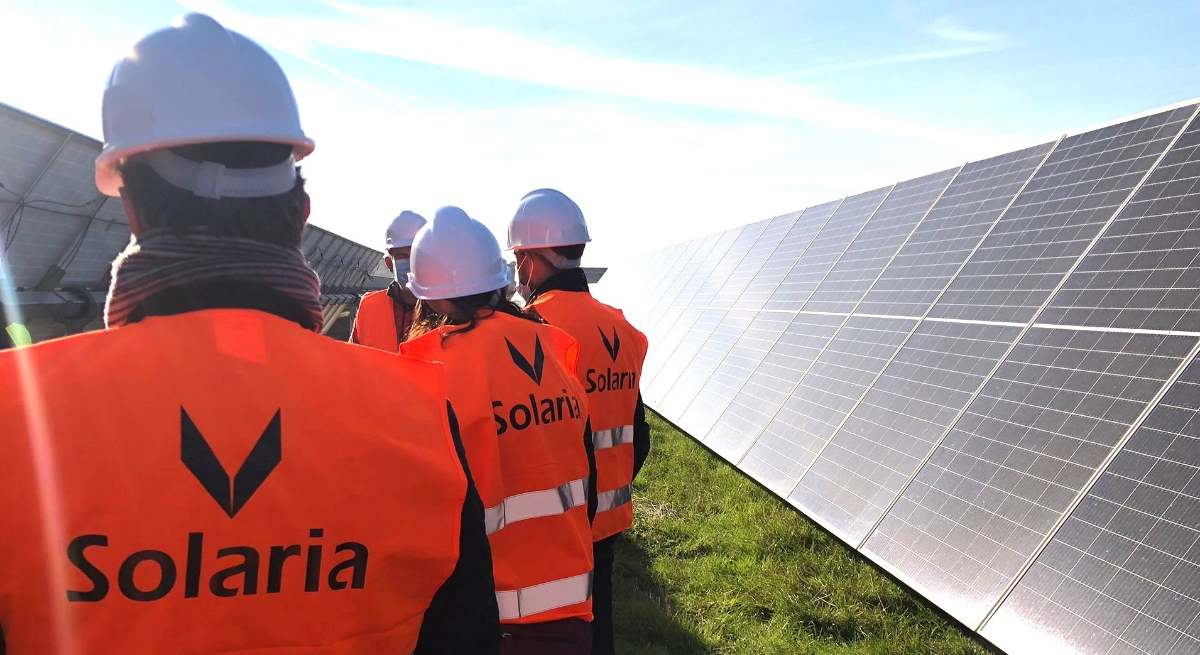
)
(60, 234)
(986, 380)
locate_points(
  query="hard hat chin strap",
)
(209, 179)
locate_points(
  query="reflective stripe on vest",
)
(602, 439)
(607, 500)
(535, 504)
(519, 603)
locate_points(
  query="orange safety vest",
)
(523, 415)
(222, 481)
(611, 356)
(381, 322)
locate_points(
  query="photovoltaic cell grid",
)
(898, 422)
(733, 287)
(790, 250)
(810, 269)
(949, 234)
(823, 397)
(767, 387)
(1017, 457)
(1122, 575)
(1055, 218)
(1145, 270)
(877, 243)
(940, 385)
(744, 356)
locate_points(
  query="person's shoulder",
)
(372, 297)
(58, 348)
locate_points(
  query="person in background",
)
(385, 316)
(548, 235)
(524, 423)
(209, 474)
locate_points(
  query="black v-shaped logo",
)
(539, 359)
(199, 458)
(613, 347)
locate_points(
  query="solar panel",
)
(60, 234)
(789, 251)
(676, 362)
(807, 273)
(877, 243)
(1123, 573)
(1014, 461)
(753, 406)
(823, 397)
(706, 360)
(1055, 218)
(746, 353)
(893, 429)
(950, 232)
(1145, 270)
(732, 289)
(706, 290)
(970, 377)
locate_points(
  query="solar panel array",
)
(60, 234)
(986, 379)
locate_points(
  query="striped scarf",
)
(161, 260)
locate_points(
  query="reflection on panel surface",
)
(1145, 270)
(878, 241)
(824, 396)
(1123, 573)
(1054, 219)
(892, 431)
(1017, 457)
(950, 233)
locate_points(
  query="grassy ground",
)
(714, 564)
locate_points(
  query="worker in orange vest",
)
(524, 424)
(384, 316)
(548, 234)
(210, 474)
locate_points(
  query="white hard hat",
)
(404, 229)
(546, 219)
(455, 256)
(195, 82)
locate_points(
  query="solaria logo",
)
(235, 570)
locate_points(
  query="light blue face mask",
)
(400, 269)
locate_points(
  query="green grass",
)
(714, 564)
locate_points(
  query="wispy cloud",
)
(888, 60)
(419, 37)
(948, 29)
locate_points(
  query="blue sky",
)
(664, 119)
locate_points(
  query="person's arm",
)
(463, 617)
(641, 436)
(590, 448)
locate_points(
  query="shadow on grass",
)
(645, 619)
